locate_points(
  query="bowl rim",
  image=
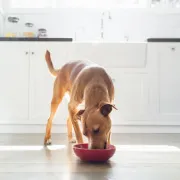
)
(112, 147)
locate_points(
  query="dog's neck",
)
(94, 94)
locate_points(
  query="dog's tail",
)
(53, 71)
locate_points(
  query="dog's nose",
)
(105, 145)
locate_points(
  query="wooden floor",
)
(138, 157)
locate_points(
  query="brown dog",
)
(88, 83)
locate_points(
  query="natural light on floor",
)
(122, 148)
(147, 148)
(31, 148)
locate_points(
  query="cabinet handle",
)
(32, 53)
(26, 53)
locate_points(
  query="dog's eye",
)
(96, 131)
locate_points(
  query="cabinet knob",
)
(173, 48)
(26, 52)
(32, 53)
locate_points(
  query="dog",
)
(89, 83)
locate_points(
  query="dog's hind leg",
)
(58, 94)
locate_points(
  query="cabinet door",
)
(41, 82)
(14, 78)
(131, 97)
(165, 82)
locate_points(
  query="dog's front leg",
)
(69, 129)
(109, 138)
(72, 116)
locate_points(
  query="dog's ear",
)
(106, 108)
(79, 114)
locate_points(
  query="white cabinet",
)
(14, 78)
(164, 73)
(147, 91)
(26, 84)
(34, 84)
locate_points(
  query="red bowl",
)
(93, 155)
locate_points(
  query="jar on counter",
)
(42, 33)
(29, 30)
(12, 27)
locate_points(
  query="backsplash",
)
(86, 24)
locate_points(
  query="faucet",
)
(102, 22)
(126, 37)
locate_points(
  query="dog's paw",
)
(73, 140)
(47, 142)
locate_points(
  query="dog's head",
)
(96, 124)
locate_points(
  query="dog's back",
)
(85, 71)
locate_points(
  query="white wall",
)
(140, 25)
(1, 17)
(137, 24)
(1, 24)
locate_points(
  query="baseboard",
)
(115, 129)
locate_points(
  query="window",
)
(77, 3)
(93, 3)
(167, 3)
(132, 3)
(33, 3)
